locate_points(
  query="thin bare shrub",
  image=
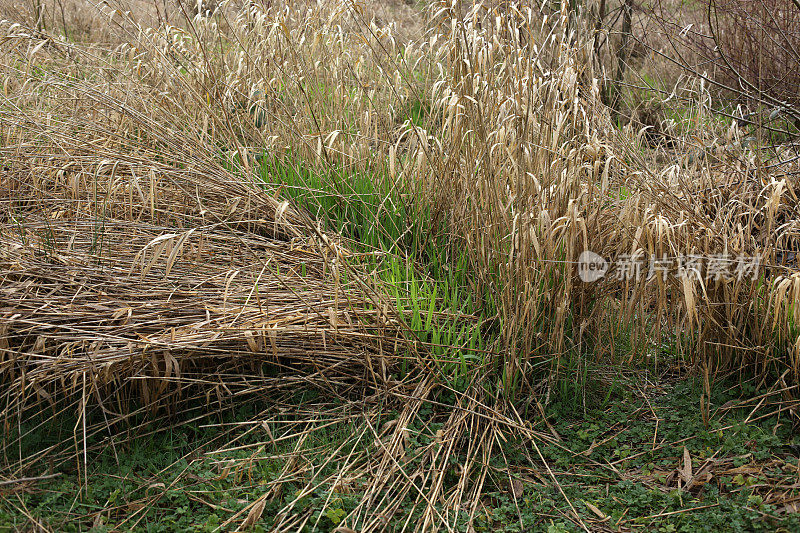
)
(756, 47)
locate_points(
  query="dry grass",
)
(142, 263)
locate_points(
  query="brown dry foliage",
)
(139, 263)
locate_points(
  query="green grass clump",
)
(427, 287)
